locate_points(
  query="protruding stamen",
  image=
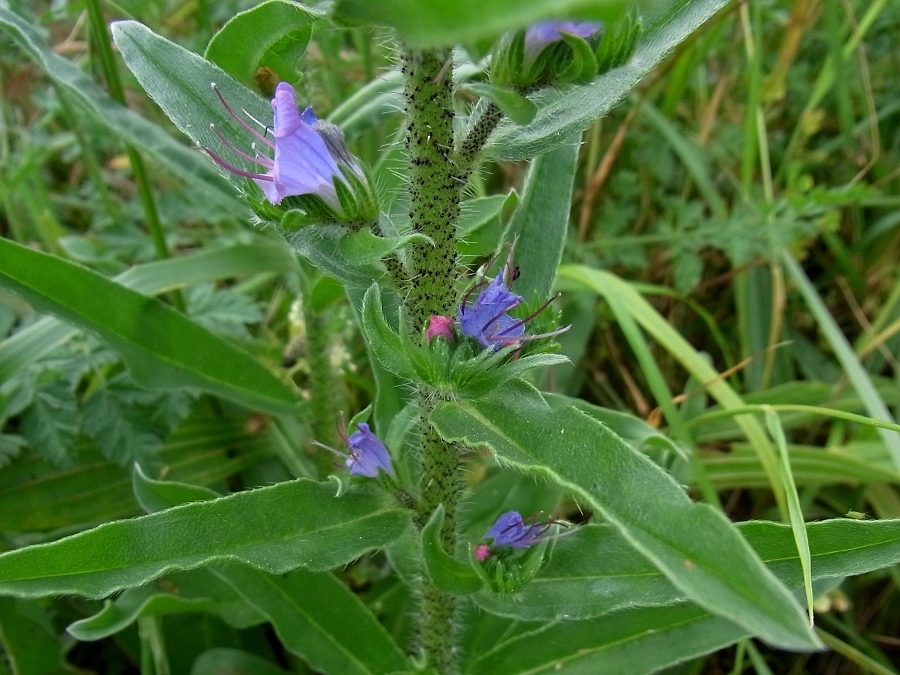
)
(474, 288)
(330, 449)
(522, 322)
(233, 169)
(240, 121)
(259, 159)
(488, 323)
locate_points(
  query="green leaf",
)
(194, 591)
(435, 24)
(273, 34)
(364, 248)
(795, 508)
(50, 424)
(446, 572)
(564, 112)
(28, 640)
(275, 529)
(222, 310)
(694, 545)
(221, 660)
(153, 278)
(635, 642)
(384, 343)
(318, 618)
(181, 162)
(162, 347)
(619, 577)
(542, 220)
(36, 496)
(158, 495)
(583, 67)
(323, 246)
(511, 103)
(179, 81)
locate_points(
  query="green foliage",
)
(710, 563)
(314, 529)
(437, 24)
(713, 194)
(564, 112)
(272, 35)
(163, 349)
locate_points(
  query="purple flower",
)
(306, 151)
(541, 35)
(511, 530)
(367, 453)
(487, 320)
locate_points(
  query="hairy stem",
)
(323, 396)
(476, 139)
(440, 485)
(434, 194)
(434, 185)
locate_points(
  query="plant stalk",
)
(435, 187)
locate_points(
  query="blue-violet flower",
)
(487, 319)
(543, 34)
(511, 530)
(306, 151)
(367, 453)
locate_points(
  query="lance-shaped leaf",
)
(321, 620)
(275, 529)
(634, 641)
(694, 545)
(163, 348)
(179, 81)
(194, 591)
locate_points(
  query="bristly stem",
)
(323, 396)
(435, 187)
(478, 136)
(434, 184)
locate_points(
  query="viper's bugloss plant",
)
(169, 440)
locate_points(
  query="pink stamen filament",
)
(233, 169)
(241, 121)
(336, 452)
(522, 322)
(485, 326)
(469, 293)
(259, 159)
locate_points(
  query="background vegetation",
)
(748, 188)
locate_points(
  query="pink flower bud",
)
(439, 325)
